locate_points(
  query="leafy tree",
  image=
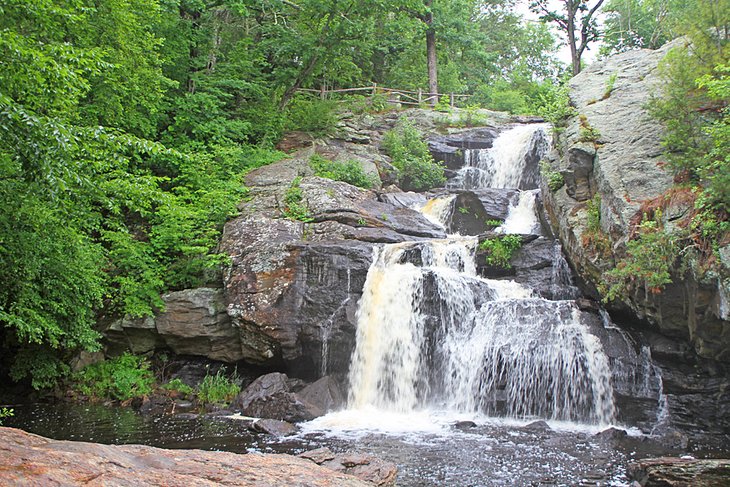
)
(576, 19)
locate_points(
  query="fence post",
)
(451, 96)
(375, 88)
(322, 93)
(420, 96)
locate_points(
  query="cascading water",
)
(501, 166)
(496, 348)
(433, 335)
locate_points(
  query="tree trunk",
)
(301, 77)
(574, 53)
(433, 87)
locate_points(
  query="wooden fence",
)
(395, 96)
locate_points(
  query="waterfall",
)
(438, 210)
(434, 335)
(431, 334)
(501, 166)
(522, 217)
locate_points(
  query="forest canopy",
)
(126, 127)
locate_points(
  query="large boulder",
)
(193, 322)
(29, 459)
(269, 397)
(680, 472)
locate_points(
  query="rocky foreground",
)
(27, 459)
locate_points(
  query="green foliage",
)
(217, 389)
(594, 238)
(555, 107)
(122, 378)
(555, 179)
(647, 265)
(176, 385)
(312, 115)
(494, 223)
(295, 207)
(463, 210)
(588, 133)
(501, 249)
(6, 413)
(350, 172)
(410, 156)
(443, 104)
(610, 83)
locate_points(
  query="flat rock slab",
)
(27, 459)
(680, 472)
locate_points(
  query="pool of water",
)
(428, 448)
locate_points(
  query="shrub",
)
(410, 155)
(501, 249)
(555, 108)
(122, 378)
(350, 172)
(5, 413)
(312, 115)
(176, 385)
(555, 179)
(218, 388)
(294, 205)
(647, 264)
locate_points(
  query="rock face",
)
(686, 324)
(194, 322)
(680, 472)
(28, 459)
(624, 168)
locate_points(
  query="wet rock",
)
(611, 434)
(324, 394)
(269, 397)
(680, 472)
(274, 427)
(28, 459)
(318, 455)
(464, 425)
(537, 427)
(364, 466)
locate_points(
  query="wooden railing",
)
(395, 96)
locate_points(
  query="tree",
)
(576, 19)
(633, 24)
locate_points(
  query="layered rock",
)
(680, 472)
(29, 459)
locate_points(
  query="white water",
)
(522, 217)
(501, 166)
(513, 355)
(438, 210)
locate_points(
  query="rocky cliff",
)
(611, 159)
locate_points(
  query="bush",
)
(5, 413)
(294, 204)
(501, 250)
(176, 385)
(554, 106)
(217, 389)
(122, 378)
(314, 116)
(350, 172)
(417, 170)
(555, 179)
(647, 264)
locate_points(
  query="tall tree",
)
(577, 19)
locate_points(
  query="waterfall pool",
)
(428, 449)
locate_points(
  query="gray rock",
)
(263, 387)
(324, 394)
(274, 427)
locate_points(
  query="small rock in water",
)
(537, 426)
(611, 434)
(274, 427)
(464, 425)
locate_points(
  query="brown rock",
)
(680, 472)
(27, 459)
(361, 465)
(274, 427)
